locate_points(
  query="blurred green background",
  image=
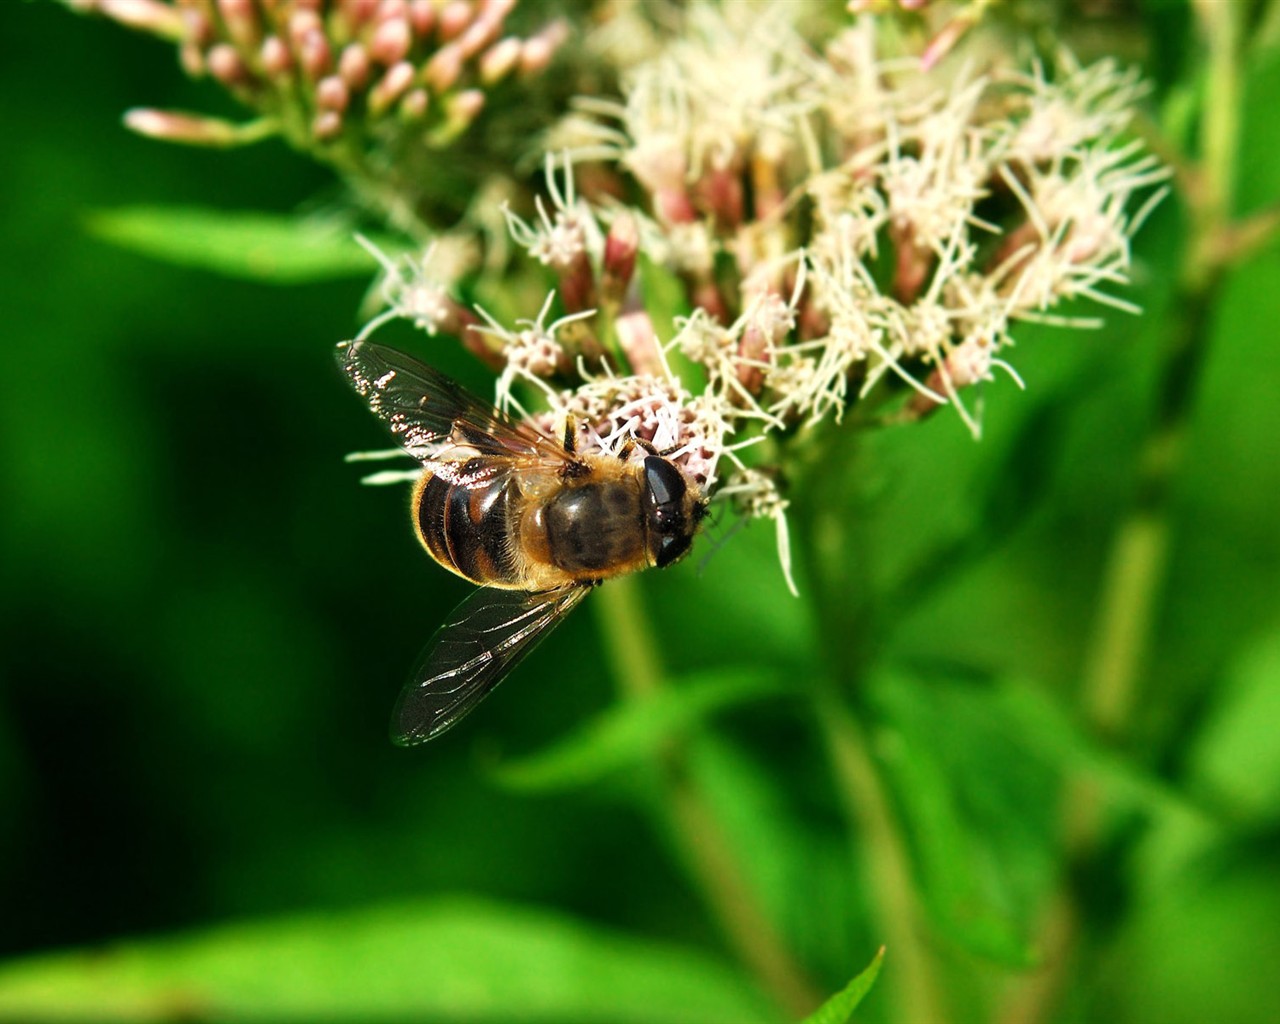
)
(206, 620)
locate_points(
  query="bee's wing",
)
(425, 409)
(484, 638)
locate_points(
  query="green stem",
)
(1135, 570)
(632, 650)
(834, 560)
(886, 862)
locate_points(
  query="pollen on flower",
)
(418, 289)
(561, 238)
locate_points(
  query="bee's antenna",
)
(719, 542)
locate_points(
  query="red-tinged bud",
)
(422, 17)
(454, 19)
(673, 206)
(913, 263)
(241, 20)
(577, 283)
(194, 129)
(332, 94)
(394, 84)
(301, 23)
(705, 293)
(314, 55)
(443, 69)
(620, 248)
(327, 125)
(276, 59)
(159, 19)
(391, 10)
(390, 42)
(496, 10)
(353, 66)
(196, 27)
(538, 51)
(639, 342)
(720, 193)
(359, 13)
(478, 35)
(227, 66)
(499, 60)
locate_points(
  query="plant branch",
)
(918, 994)
(632, 647)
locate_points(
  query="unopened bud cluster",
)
(361, 84)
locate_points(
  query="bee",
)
(525, 515)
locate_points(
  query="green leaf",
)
(839, 1008)
(266, 247)
(975, 808)
(630, 732)
(444, 960)
(795, 858)
(1236, 755)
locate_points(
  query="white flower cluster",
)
(844, 224)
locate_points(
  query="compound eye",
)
(666, 485)
(671, 548)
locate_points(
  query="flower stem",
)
(887, 864)
(632, 649)
(835, 557)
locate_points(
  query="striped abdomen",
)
(466, 523)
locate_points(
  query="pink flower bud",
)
(390, 41)
(159, 19)
(639, 342)
(477, 36)
(422, 17)
(314, 54)
(394, 84)
(193, 129)
(227, 66)
(276, 58)
(241, 20)
(499, 60)
(353, 66)
(454, 18)
(620, 249)
(332, 94)
(196, 27)
(359, 13)
(327, 125)
(444, 68)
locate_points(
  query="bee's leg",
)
(571, 435)
(646, 445)
(625, 451)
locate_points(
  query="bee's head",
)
(672, 511)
